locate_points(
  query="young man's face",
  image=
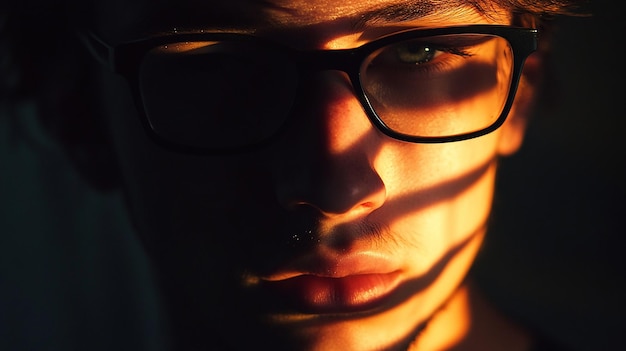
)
(334, 236)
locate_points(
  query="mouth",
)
(313, 294)
(322, 285)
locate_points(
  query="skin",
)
(217, 227)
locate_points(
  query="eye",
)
(414, 53)
(409, 54)
(426, 52)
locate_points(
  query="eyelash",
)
(463, 52)
(390, 57)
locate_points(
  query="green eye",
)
(414, 53)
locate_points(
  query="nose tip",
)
(344, 190)
(333, 183)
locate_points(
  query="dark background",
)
(73, 277)
(555, 252)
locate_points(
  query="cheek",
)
(173, 194)
(438, 194)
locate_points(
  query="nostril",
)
(342, 192)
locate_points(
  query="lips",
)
(317, 294)
(321, 285)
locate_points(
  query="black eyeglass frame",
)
(125, 59)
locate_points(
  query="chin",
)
(387, 331)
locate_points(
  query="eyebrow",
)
(407, 11)
(391, 12)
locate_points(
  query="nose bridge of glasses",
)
(328, 65)
(345, 60)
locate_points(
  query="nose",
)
(328, 152)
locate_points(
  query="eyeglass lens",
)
(231, 94)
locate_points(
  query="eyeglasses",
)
(215, 92)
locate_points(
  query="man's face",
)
(335, 236)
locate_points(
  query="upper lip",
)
(323, 263)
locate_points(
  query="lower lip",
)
(318, 294)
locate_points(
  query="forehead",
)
(123, 19)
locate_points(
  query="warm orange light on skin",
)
(434, 199)
(465, 209)
(472, 324)
(447, 218)
(333, 334)
(347, 115)
(473, 210)
(346, 123)
(456, 325)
